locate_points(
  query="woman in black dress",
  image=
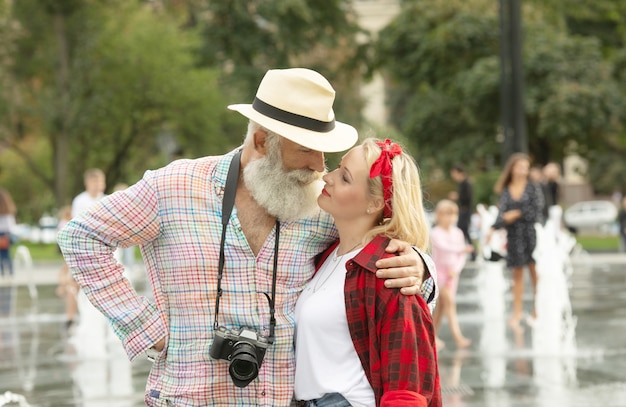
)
(518, 210)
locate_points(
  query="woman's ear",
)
(376, 205)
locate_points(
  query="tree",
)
(441, 61)
(243, 39)
(102, 82)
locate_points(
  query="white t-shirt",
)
(326, 361)
(82, 202)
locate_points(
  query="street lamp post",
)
(512, 113)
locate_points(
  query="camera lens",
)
(244, 366)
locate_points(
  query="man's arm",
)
(88, 242)
(412, 271)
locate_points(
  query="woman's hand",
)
(512, 215)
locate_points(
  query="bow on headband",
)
(382, 166)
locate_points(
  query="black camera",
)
(244, 348)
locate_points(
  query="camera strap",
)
(227, 208)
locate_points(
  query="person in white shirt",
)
(92, 332)
(95, 184)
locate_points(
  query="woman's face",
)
(521, 169)
(345, 195)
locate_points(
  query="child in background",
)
(449, 252)
(67, 288)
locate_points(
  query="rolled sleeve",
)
(88, 243)
(429, 289)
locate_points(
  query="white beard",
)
(286, 195)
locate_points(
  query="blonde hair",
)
(507, 173)
(408, 221)
(444, 207)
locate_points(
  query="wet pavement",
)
(574, 357)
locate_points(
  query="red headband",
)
(382, 166)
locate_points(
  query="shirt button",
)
(263, 393)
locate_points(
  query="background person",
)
(67, 288)
(552, 176)
(358, 343)
(7, 227)
(95, 184)
(465, 200)
(535, 175)
(518, 210)
(622, 223)
(449, 252)
(92, 331)
(175, 215)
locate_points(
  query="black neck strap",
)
(227, 208)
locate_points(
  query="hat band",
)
(292, 118)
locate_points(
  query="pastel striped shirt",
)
(174, 214)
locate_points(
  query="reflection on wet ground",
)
(42, 365)
(575, 356)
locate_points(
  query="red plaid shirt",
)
(393, 334)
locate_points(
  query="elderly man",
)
(225, 287)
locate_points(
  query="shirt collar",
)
(221, 172)
(372, 252)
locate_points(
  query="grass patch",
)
(41, 251)
(599, 242)
(44, 252)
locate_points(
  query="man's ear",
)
(260, 141)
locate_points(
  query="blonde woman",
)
(357, 342)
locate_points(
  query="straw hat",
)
(297, 104)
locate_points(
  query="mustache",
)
(304, 177)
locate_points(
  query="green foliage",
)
(602, 19)
(103, 82)
(31, 195)
(245, 38)
(607, 169)
(483, 183)
(441, 60)
(138, 80)
(128, 86)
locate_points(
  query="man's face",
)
(297, 157)
(456, 175)
(95, 185)
(283, 181)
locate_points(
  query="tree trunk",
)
(61, 138)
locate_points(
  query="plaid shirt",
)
(393, 334)
(174, 214)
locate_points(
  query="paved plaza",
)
(577, 358)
